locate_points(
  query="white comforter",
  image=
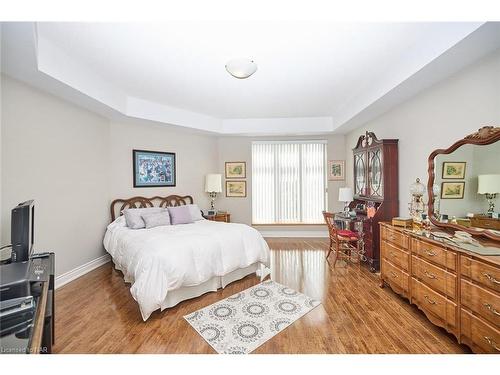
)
(166, 258)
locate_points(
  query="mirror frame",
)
(484, 136)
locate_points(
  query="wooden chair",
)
(343, 242)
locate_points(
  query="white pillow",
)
(195, 212)
(156, 219)
(133, 216)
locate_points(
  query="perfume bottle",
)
(426, 224)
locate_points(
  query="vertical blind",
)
(288, 182)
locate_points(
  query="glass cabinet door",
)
(375, 173)
(360, 173)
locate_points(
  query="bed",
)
(172, 263)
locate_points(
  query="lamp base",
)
(346, 209)
(490, 198)
(212, 196)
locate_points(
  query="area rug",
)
(241, 323)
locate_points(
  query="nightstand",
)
(219, 217)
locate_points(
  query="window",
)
(288, 182)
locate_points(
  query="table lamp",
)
(213, 185)
(345, 195)
(489, 185)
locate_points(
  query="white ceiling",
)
(321, 74)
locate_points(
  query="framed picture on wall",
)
(236, 189)
(452, 190)
(236, 169)
(454, 170)
(336, 170)
(153, 168)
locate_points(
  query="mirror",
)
(464, 184)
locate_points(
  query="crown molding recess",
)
(29, 56)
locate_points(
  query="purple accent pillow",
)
(180, 215)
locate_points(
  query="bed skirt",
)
(176, 296)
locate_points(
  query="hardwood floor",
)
(96, 313)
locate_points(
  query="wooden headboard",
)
(118, 205)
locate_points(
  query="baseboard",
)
(294, 233)
(81, 270)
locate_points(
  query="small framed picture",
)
(452, 190)
(336, 170)
(236, 169)
(236, 189)
(153, 168)
(454, 170)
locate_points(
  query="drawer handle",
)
(491, 278)
(430, 253)
(429, 300)
(492, 343)
(430, 275)
(492, 309)
(393, 274)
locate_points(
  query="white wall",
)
(196, 155)
(57, 154)
(74, 163)
(240, 149)
(436, 118)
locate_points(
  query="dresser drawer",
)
(396, 277)
(485, 222)
(395, 255)
(435, 277)
(480, 272)
(395, 237)
(435, 254)
(481, 301)
(440, 310)
(479, 335)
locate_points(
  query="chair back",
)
(330, 223)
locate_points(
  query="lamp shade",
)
(488, 184)
(345, 194)
(213, 183)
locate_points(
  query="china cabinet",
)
(375, 189)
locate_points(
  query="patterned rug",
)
(241, 323)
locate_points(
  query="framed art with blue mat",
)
(153, 168)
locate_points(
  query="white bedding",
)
(166, 258)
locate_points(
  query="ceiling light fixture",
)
(241, 68)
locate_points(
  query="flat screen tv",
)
(22, 231)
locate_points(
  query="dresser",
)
(483, 221)
(455, 288)
(375, 189)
